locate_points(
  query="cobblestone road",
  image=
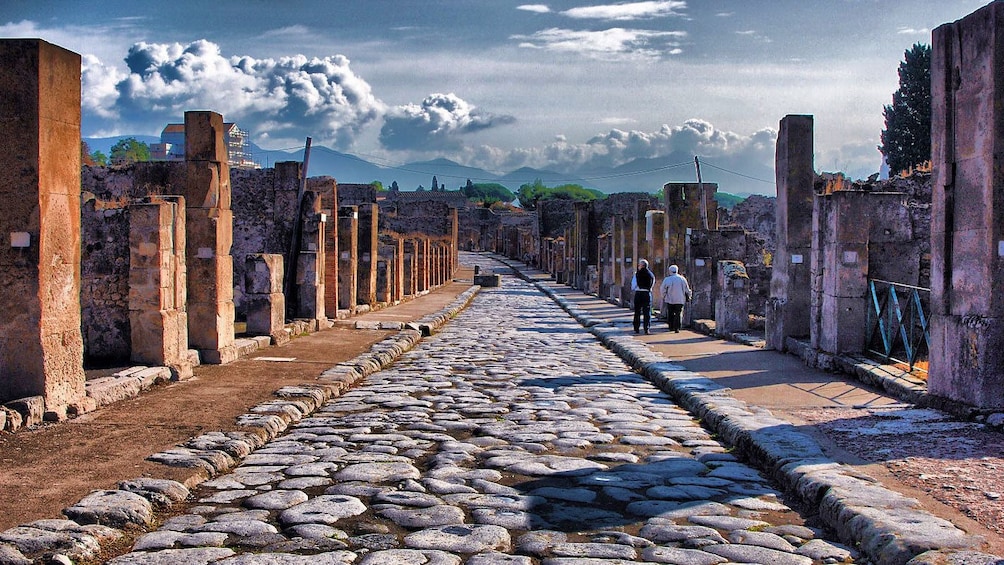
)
(511, 437)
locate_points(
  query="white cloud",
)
(288, 98)
(536, 8)
(617, 147)
(913, 31)
(435, 124)
(628, 11)
(613, 43)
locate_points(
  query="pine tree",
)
(906, 139)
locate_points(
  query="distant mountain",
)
(639, 175)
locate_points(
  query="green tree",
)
(906, 139)
(487, 192)
(99, 158)
(378, 186)
(529, 194)
(129, 150)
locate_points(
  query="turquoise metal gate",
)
(898, 318)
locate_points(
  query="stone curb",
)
(887, 526)
(98, 518)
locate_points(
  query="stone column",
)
(158, 322)
(348, 223)
(383, 282)
(422, 260)
(309, 279)
(581, 255)
(328, 189)
(367, 255)
(41, 347)
(410, 276)
(263, 274)
(788, 307)
(967, 213)
(209, 235)
(732, 304)
(839, 270)
(392, 249)
(702, 279)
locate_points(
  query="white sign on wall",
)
(797, 259)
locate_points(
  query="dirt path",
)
(51, 467)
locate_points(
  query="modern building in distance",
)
(172, 145)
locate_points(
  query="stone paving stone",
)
(512, 422)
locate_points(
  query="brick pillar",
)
(348, 223)
(209, 235)
(367, 255)
(41, 347)
(309, 275)
(158, 321)
(266, 302)
(788, 307)
(967, 213)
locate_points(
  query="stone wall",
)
(264, 206)
(104, 282)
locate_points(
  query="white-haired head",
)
(673, 269)
(643, 263)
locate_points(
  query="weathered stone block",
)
(266, 314)
(155, 336)
(263, 273)
(204, 137)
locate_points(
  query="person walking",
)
(642, 283)
(675, 293)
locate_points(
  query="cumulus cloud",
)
(436, 123)
(617, 147)
(628, 10)
(609, 44)
(285, 98)
(536, 8)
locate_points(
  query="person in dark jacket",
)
(642, 283)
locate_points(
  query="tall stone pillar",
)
(158, 321)
(392, 250)
(41, 347)
(348, 224)
(581, 254)
(209, 234)
(309, 277)
(788, 307)
(967, 213)
(410, 272)
(367, 255)
(655, 234)
(422, 260)
(328, 189)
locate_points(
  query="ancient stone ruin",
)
(156, 264)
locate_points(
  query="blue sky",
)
(499, 84)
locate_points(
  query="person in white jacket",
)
(675, 293)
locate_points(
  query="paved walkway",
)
(518, 435)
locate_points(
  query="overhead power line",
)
(713, 166)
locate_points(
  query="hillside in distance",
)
(639, 175)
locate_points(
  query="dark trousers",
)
(673, 313)
(642, 307)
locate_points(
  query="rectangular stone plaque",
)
(699, 262)
(797, 259)
(20, 239)
(850, 257)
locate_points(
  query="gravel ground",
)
(957, 463)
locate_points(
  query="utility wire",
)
(713, 166)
